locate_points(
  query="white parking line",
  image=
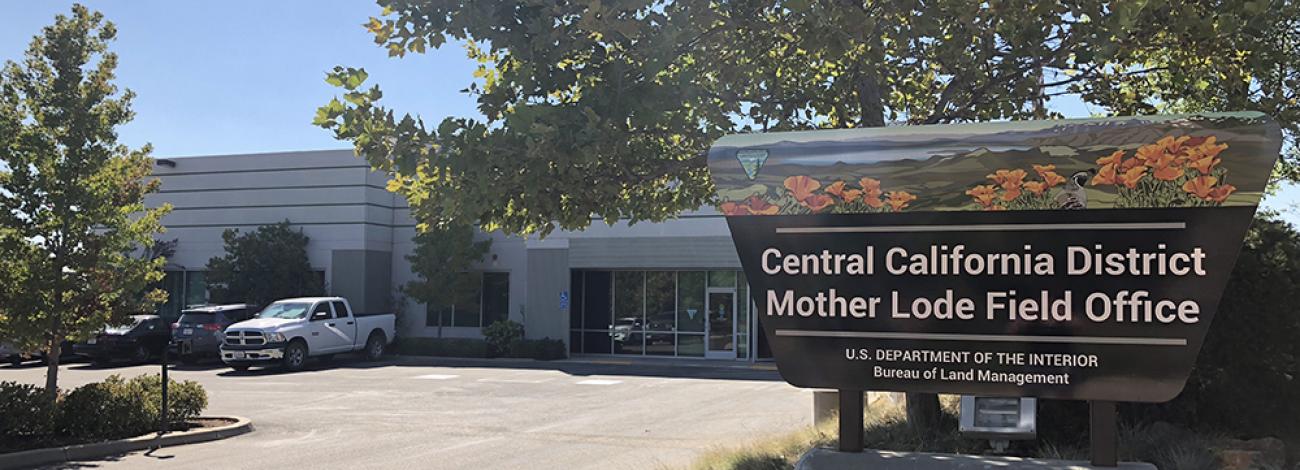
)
(436, 377)
(599, 382)
(513, 381)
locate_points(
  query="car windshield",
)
(288, 310)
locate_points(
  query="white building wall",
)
(334, 198)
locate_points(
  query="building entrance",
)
(721, 313)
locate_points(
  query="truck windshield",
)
(291, 311)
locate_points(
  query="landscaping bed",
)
(116, 408)
(1163, 444)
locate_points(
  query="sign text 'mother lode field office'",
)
(1079, 259)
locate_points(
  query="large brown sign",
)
(1079, 259)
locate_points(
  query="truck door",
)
(325, 337)
(346, 323)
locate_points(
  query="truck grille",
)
(245, 338)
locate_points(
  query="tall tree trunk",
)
(53, 351)
(922, 408)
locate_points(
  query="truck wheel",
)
(375, 346)
(295, 356)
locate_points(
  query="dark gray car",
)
(197, 333)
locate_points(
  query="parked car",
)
(197, 333)
(15, 356)
(289, 331)
(143, 338)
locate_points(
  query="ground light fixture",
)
(999, 419)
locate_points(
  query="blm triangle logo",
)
(751, 161)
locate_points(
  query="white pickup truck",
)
(288, 331)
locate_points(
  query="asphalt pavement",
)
(457, 414)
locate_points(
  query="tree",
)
(72, 197)
(607, 108)
(440, 260)
(262, 266)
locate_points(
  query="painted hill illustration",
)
(939, 165)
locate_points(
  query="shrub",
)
(25, 412)
(1252, 341)
(103, 410)
(446, 347)
(116, 408)
(545, 349)
(185, 400)
(500, 334)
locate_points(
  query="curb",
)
(36, 457)
(590, 360)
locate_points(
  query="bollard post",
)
(166, 421)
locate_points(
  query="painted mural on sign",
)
(1165, 161)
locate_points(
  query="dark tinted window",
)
(496, 297)
(321, 307)
(596, 314)
(149, 325)
(232, 316)
(196, 318)
(340, 310)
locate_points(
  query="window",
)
(340, 310)
(496, 297)
(196, 288)
(323, 307)
(655, 313)
(486, 302)
(184, 289)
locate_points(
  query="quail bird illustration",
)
(1073, 196)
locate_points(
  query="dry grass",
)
(886, 429)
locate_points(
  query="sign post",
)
(1069, 259)
(851, 424)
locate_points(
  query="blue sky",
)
(244, 76)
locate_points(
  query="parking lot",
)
(447, 413)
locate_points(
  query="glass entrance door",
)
(721, 324)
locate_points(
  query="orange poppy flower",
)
(851, 195)
(817, 202)
(801, 186)
(1204, 164)
(1200, 185)
(1148, 154)
(734, 208)
(1104, 176)
(1009, 179)
(1040, 169)
(1166, 169)
(760, 206)
(1220, 193)
(836, 188)
(899, 199)
(873, 200)
(1211, 147)
(1131, 177)
(869, 184)
(1112, 159)
(1130, 164)
(983, 194)
(1036, 187)
(1171, 145)
(1051, 179)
